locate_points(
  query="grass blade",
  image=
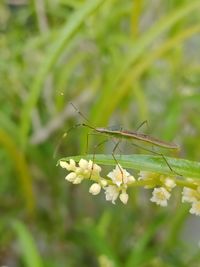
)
(28, 248)
(69, 29)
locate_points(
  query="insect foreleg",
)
(64, 135)
(94, 153)
(113, 155)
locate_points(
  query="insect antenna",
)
(84, 117)
(64, 135)
(80, 113)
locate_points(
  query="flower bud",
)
(78, 179)
(64, 164)
(96, 168)
(83, 164)
(95, 189)
(71, 166)
(124, 197)
(169, 183)
(71, 177)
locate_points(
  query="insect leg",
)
(159, 154)
(95, 148)
(113, 155)
(94, 153)
(144, 122)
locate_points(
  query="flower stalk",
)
(119, 180)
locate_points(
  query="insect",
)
(131, 136)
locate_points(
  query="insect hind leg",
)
(159, 154)
(94, 153)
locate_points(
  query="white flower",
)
(83, 164)
(71, 177)
(63, 164)
(71, 166)
(74, 178)
(111, 193)
(189, 195)
(78, 179)
(195, 208)
(160, 196)
(120, 175)
(95, 189)
(169, 183)
(84, 170)
(89, 167)
(96, 169)
(124, 197)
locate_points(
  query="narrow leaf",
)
(147, 163)
(28, 249)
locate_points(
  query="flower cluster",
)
(81, 172)
(162, 193)
(116, 183)
(192, 196)
(114, 187)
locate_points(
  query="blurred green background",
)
(120, 63)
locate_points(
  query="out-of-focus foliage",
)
(119, 62)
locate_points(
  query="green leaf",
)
(98, 242)
(139, 252)
(66, 34)
(139, 48)
(27, 245)
(146, 163)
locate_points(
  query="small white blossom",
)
(95, 189)
(96, 169)
(169, 183)
(160, 196)
(89, 167)
(71, 166)
(78, 179)
(83, 171)
(189, 195)
(71, 177)
(124, 197)
(83, 164)
(195, 208)
(111, 193)
(74, 178)
(63, 164)
(120, 175)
